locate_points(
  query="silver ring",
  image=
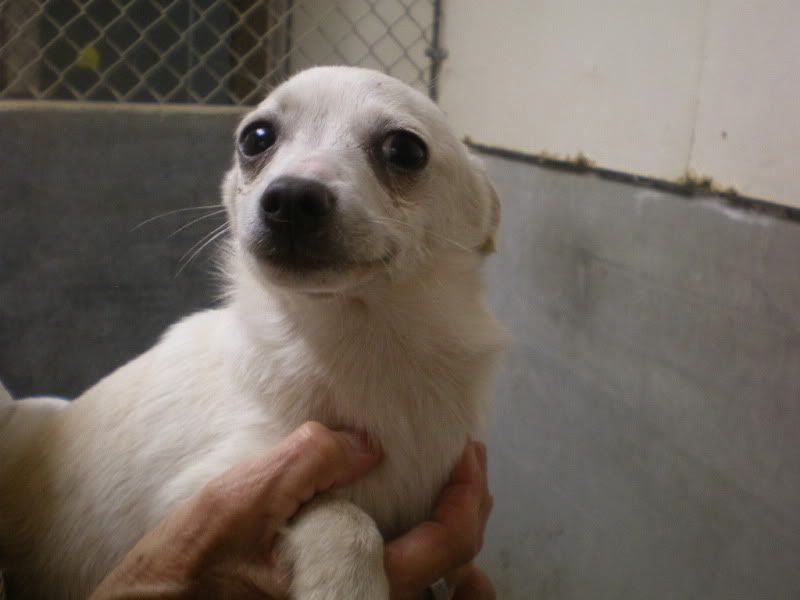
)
(439, 590)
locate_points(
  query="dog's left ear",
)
(487, 188)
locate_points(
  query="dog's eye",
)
(256, 138)
(405, 151)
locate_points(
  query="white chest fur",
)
(420, 409)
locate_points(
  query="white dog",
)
(359, 224)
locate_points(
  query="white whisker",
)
(441, 237)
(216, 213)
(174, 212)
(198, 246)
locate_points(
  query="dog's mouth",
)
(317, 265)
(299, 254)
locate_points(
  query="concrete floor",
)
(646, 435)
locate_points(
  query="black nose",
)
(298, 204)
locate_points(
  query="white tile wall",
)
(641, 86)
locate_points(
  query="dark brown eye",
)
(256, 138)
(404, 150)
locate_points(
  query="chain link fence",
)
(205, 51)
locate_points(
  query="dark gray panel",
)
(81, 292)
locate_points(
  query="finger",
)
(314, 459)
(457, 577)
(468, 470)
(242, 580)
(475, 585)
(451, 538)
(480, 481)
(468, 491)
(480, 478)
(271, 488)
(480, 450)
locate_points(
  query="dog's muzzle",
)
(297, 217)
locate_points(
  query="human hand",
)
(223, 542)
(445, 545)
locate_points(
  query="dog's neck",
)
(441, 301)
(375, 358)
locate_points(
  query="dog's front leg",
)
(336, 552)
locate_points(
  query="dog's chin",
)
(317, 276)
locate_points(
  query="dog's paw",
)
(358, 586)
(337, 553)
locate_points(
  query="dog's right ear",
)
(489, 246)
(487, 187)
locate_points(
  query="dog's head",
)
(344, 174)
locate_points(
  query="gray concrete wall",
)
(646, 436)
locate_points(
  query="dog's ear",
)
(489, 245)
(488, 190)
